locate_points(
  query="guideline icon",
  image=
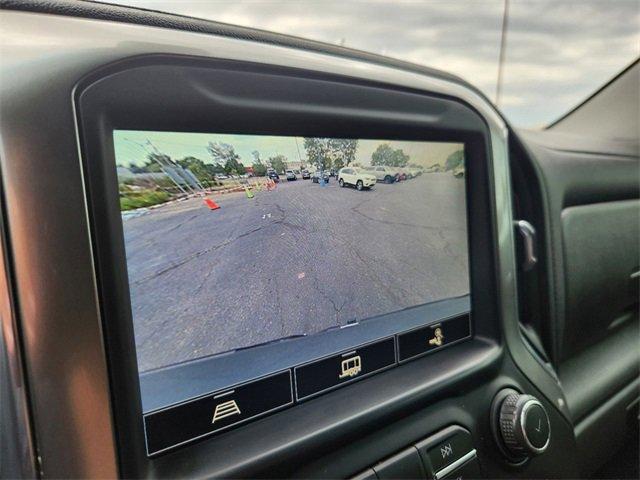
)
(225, 409)
(350, 367)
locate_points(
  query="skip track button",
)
(445, 447)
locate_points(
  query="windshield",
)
(555, 53)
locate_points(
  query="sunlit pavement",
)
(295, 260)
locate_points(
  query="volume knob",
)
(524, 425)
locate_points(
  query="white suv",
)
(356, 177)
(384, 174)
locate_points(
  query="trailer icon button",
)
(343, 368)
(350, 367)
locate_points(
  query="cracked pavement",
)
(293, 261)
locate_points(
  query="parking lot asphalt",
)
(295, 260)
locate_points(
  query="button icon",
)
(438, 337)
(343, 368)
(350, 367)
(224, 410)
(446, 450)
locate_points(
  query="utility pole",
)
(176, 166)
(144, 147)
(298, 148)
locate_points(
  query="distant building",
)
(295, 165)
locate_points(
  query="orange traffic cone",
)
(211, 204)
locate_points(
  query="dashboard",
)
(396, 288)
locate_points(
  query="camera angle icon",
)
(224, 410)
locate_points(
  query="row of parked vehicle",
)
(359, 177)
(292, 175)
(367, 177)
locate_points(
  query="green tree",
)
(152, 165)
(318, 151)
(383, 155)
(134, 168)
(225, 155)
(214, 168)
(259, 169)
(402, 159)
(345, 149)
(233, 166)
(328, 153)
(454, 160)
(221, 152)
(387, 156)
(278, 163)
(201, 170)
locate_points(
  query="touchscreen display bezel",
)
(412, 116)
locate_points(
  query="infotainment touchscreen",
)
(284, 264)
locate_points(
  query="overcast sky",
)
(558, 52)
(132, 147)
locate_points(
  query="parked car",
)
(291, 175)
(458, 172)
(221, 176)
(384, 174)
(409, 172)
(273, 175)
(306, 175)
(356, 177)
(315, 178)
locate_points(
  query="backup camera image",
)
(233, 241)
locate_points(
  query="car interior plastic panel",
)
(587, 214)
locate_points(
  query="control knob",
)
(523, 424)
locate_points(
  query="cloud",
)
(557, 52)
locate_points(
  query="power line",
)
(155, 158)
